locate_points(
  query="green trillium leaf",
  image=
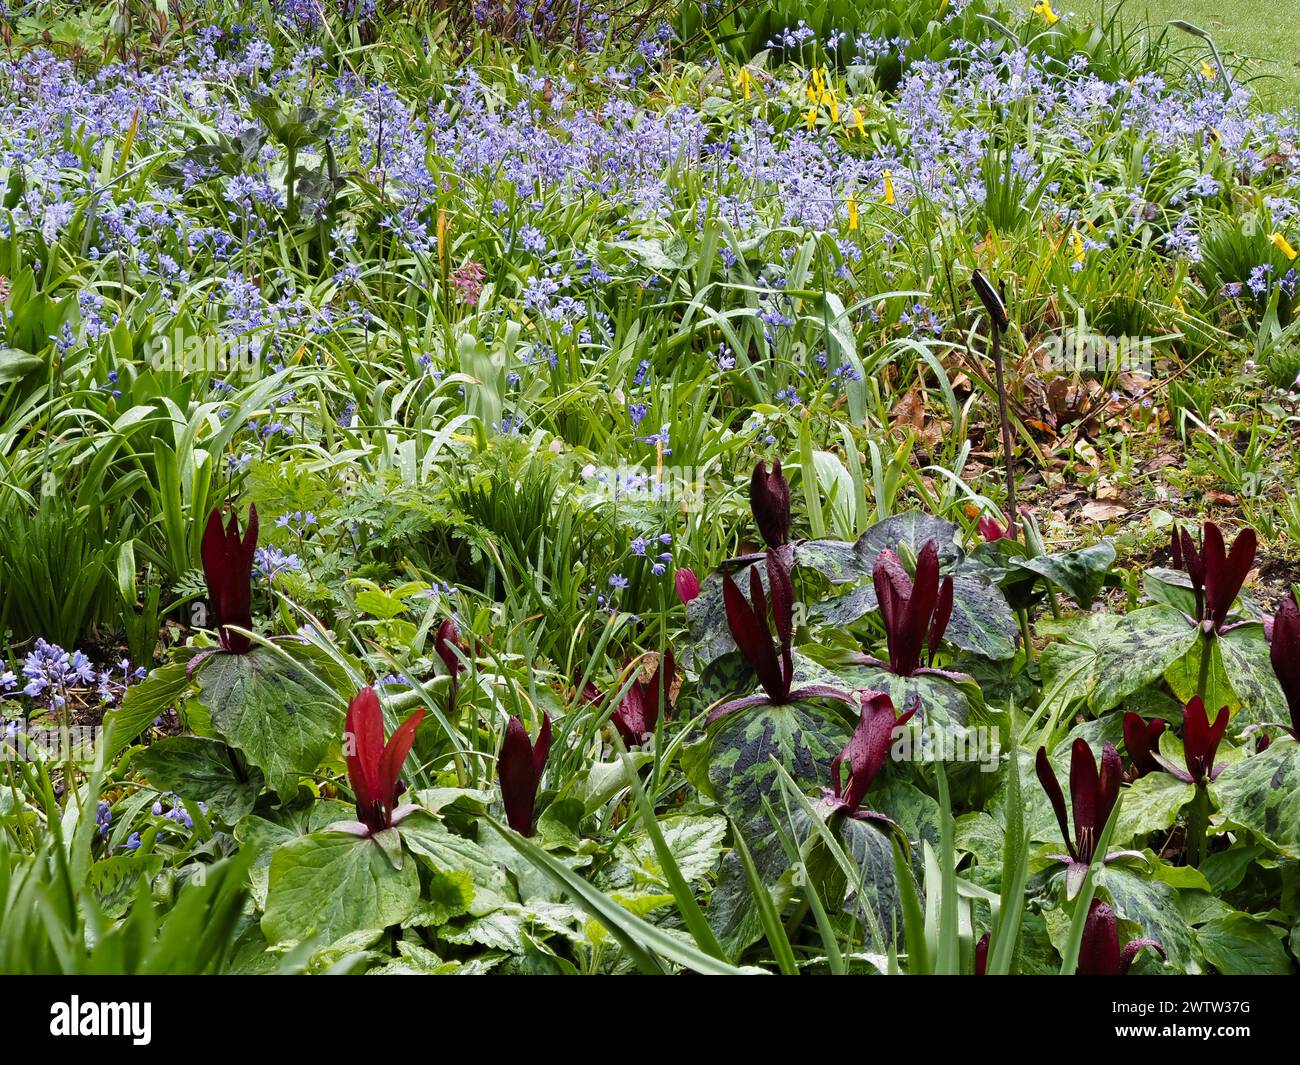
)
(1262, 793)
(1102, 658)
(329, 884)
(274, 712)
(1079, 573)
(202, 770)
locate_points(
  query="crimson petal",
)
(1284, 653)
(1055, 796)
(1099, 953)
(752, 636)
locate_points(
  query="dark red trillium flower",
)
(638, 713)
(1092, 796)
(228, 570)
(1142, 741)
(772, 662)
(866, 754)
(446, 642)
(375, 767)
(990, 530)
(1099, 952)
(769, 499)
(1284, 653)
(687, 584)
(982, 954)
(519, 768)
(1200, 744)
(915, 611)
(1217, 574)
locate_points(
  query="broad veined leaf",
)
(947, 701)
(329, 884)
(143, 702)
(115, 881)
(911, 530)
(1262, 793)
(1151, 804)
(442, 851)
(1153, 905)
(274, 712)
(802, 737)
(1104, 657)
(263, 836)
(981, 623)
(1239, 944)
(695, 844)
(201, 770)
(1079, 573)
(1245, 656)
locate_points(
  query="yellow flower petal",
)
(853, 213)
(1283, 245)
(889, 187)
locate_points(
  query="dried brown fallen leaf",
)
(1099, 512)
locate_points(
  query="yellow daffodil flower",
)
(889, 187)
(1044, 8)
(853, 213)
(1283, 245)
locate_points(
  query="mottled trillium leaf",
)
(1104, 657)
(1153, 905)
(329, 884)
(840, 611)
(706, 619)
(1261, 793)
(1080, 573)
(1151, 804)
(1172, 587)
(201, 770)
(274, 712)
(1245, 656)
(981, 622)
(913, 530)
(993, 561)
(948, 701)
(802, 737)
(728, 674)
(1184, 678)
(114, 881)
(873, 899)
(836, 560)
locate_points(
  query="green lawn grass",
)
(1262, 34)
